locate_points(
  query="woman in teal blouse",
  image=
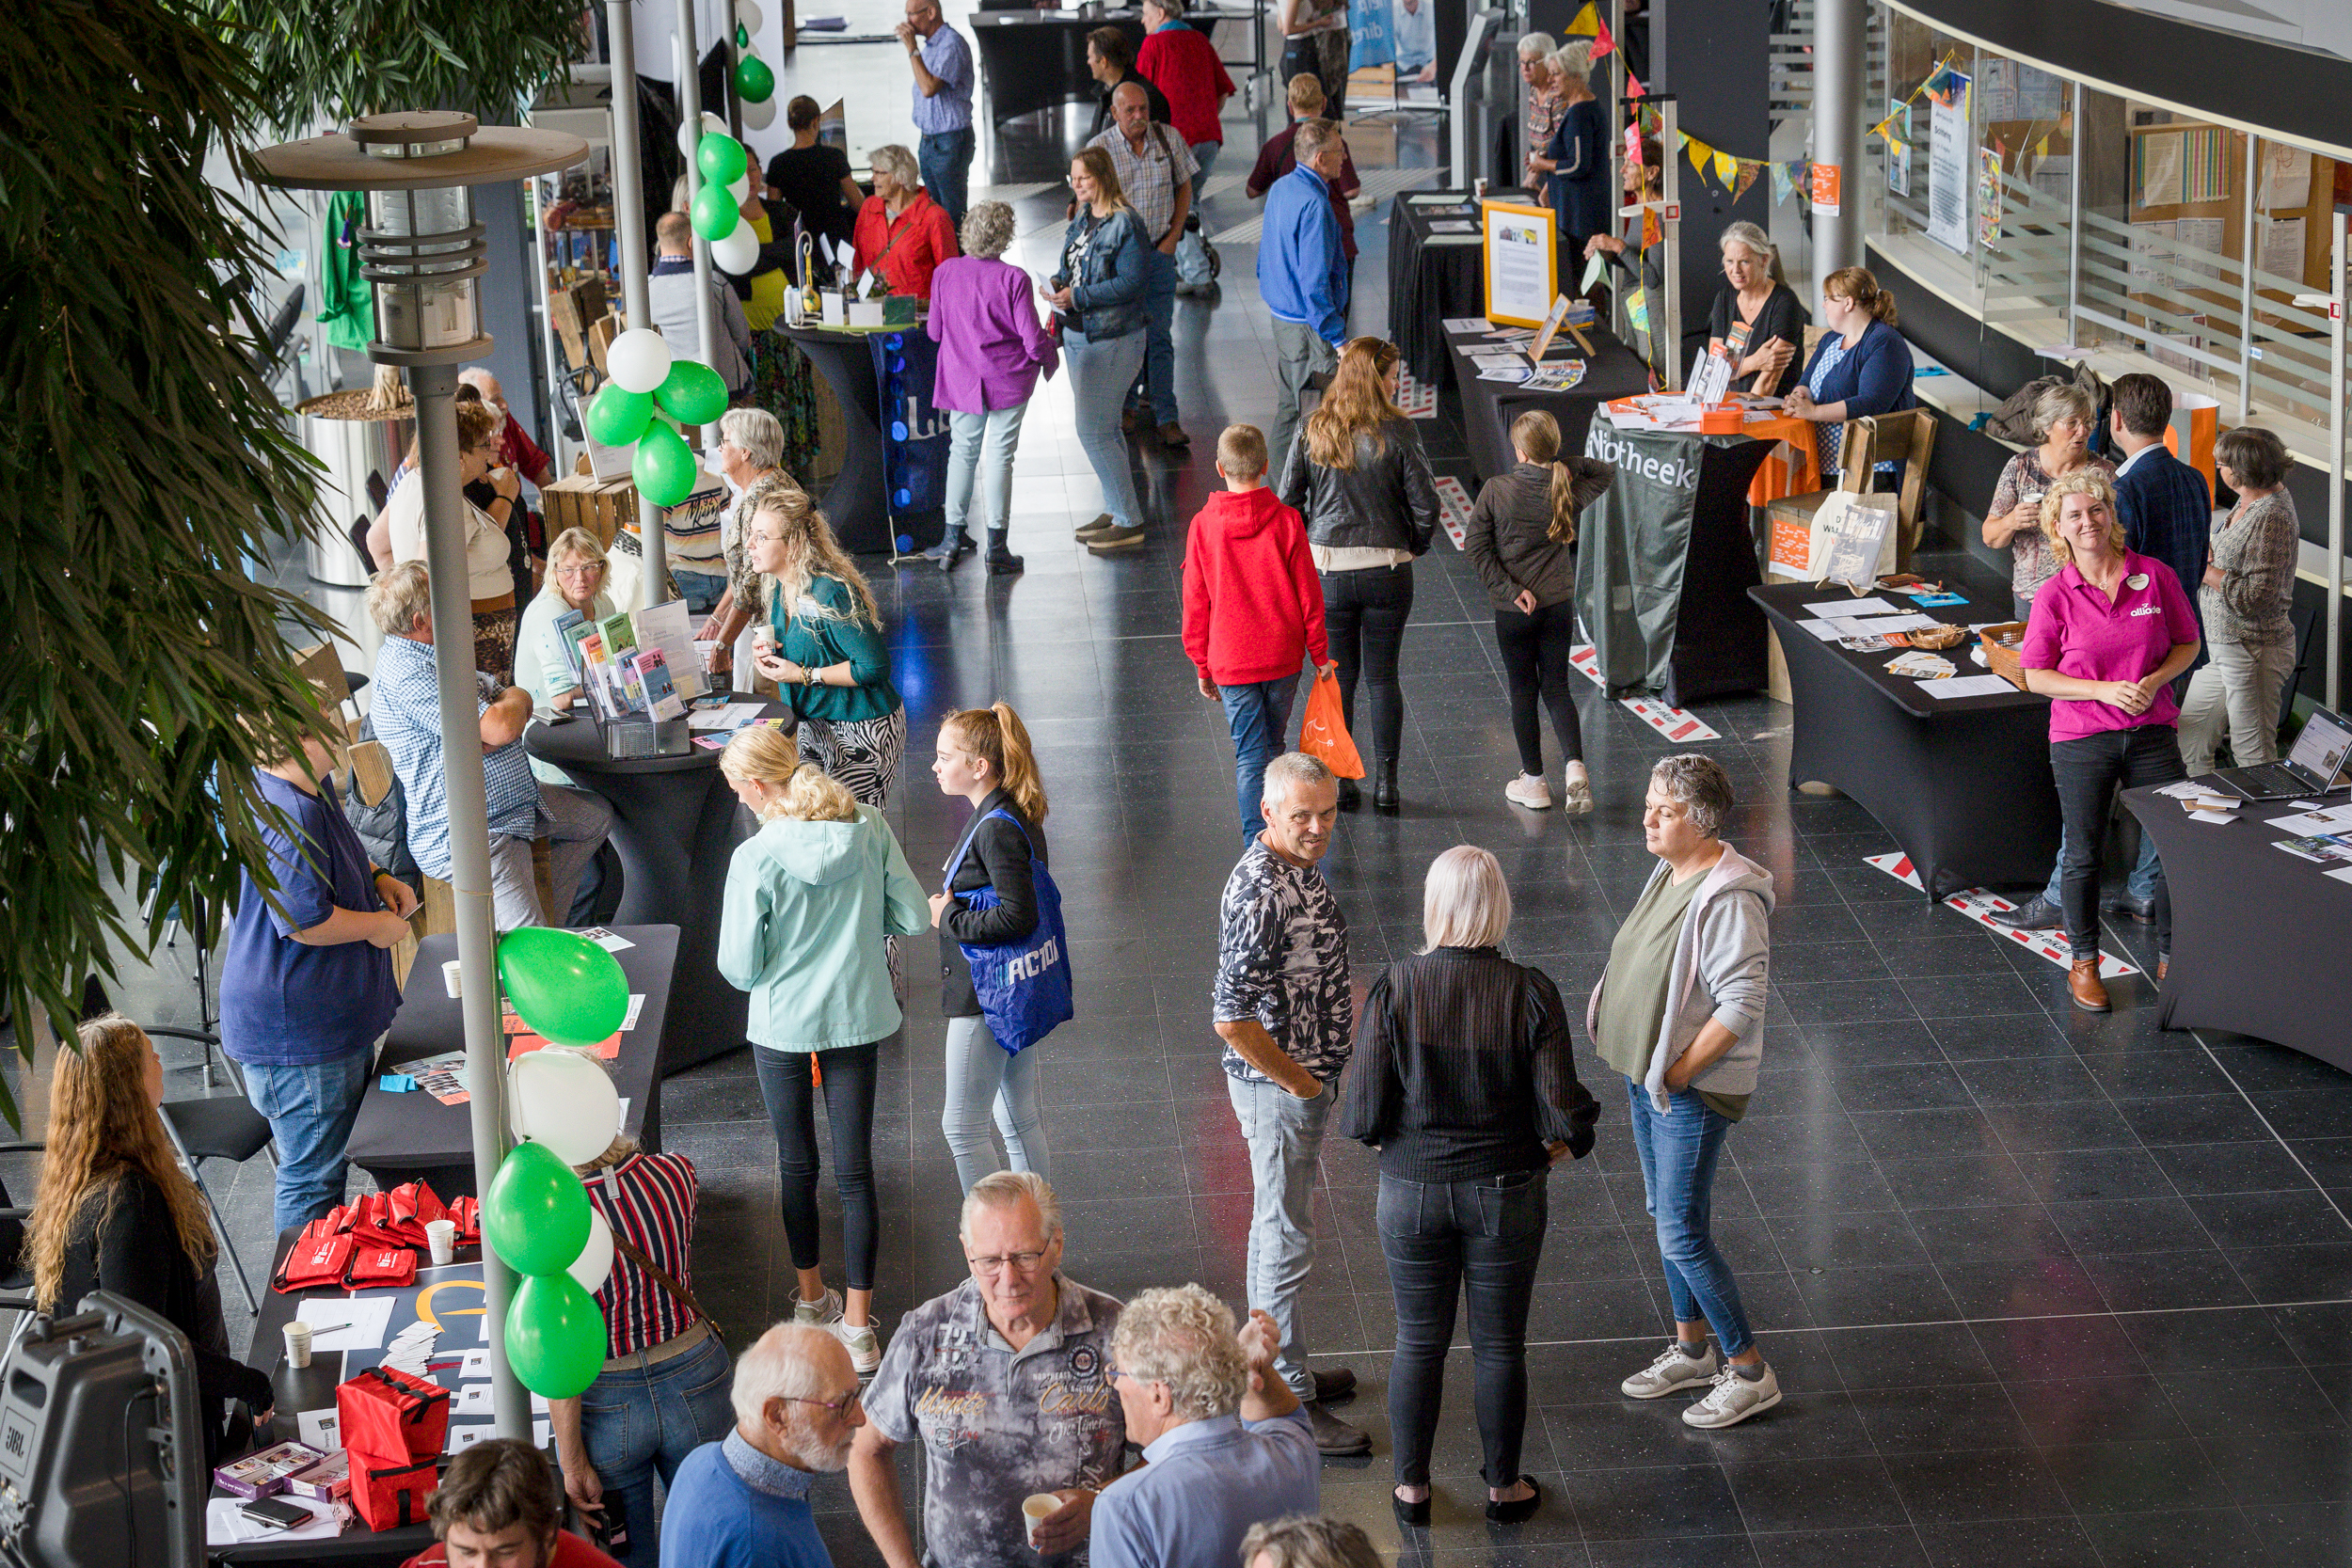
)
(827, 655)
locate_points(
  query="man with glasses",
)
(1005, 1382)
(942, 64)
(744, 1499)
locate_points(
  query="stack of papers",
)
(1467, 324)
(1969, 686)
(2337, 820)
(1556, 377)
(412, 1348)
(734, 716)
(1920, 666)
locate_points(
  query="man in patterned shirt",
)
(1287, 1018)
(1006, 1383)
(1155, 170)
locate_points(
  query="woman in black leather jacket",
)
(1359, 476)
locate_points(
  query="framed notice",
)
(1522, 263)
(1950, 178)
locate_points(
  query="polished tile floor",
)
(2042, 1287)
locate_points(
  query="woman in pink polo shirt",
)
(2110, 633)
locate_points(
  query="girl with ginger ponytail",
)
(1520, 539)
(984, 756)
(810, 899)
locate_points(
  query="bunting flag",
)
(1637, 310)
(1697, 151)
(1633, 145)
(1726, 167)
(1587, 23)
(1782, 184)
(1650, 232)
(1603, 45)
(1633, 88)
(1748, 171)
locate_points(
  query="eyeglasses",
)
(1021, 1262)
(574, 573)
(833, 1407)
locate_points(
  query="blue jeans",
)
(1203, 154)
(1679, 1149)
(1100, 373)
(984, 1078)
(974, 439)
(310, 1109)
(2141, 885)
(1158, 386)
(1259, 715)
(645, 1421)
(1285, 1137)
(945, 158)
(700, 590)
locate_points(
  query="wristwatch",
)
(808, 674)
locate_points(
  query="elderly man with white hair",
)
(1226, 1444)
(742, 1502)
(1005, 1382)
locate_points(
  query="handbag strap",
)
(955, 862)
(630, 1250)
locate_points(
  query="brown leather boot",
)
(2164, 967)
(2090, 992)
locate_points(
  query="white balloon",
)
(738, 253)
(689, 138)
(713, 125)
(749, 14)
(742, 187)
(560, 1098)
(594, 1262)
(638, 358)
(759, 115)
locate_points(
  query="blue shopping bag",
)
(1023, 986)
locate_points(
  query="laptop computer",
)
(2311, 767)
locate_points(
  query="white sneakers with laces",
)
(820, 1313)
(1529, 790)
(1671, 1371)
(1575, 794)
(1733, 1400)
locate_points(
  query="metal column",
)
(2074, 215)
(628, 228)
(2249, 248)
(437, 467)
(2341, 241)
(689, 100)
(1840, 32)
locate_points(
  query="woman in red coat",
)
(1181, 62)
(900, 229)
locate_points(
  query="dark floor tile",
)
(1944, 1182)
(1930, 1355)
(2243, 1167)
(2011, 1544)
(1991, 1233)
(1975, 1038)
(2038, 1348)
(1683, 1551)
(2156, 1281)
(2286, 1466)
(2238, 1220)
(2296, 1274)
(2089, 1175)
(2173, 1539)
(2028, 1081)
(2127, 1225)
(1783, 1494)
(2321, 1333)
(1908, 1086)
(1885, 1546)
(2044, 1287)
(1939, 1419)
(1872, 1043)
(2193, 1118)
(1847, 1296)
(1822, 1187)
(2066, 1125)
(1952, 1489)
(1925, 1134)
(1839, 1240)
(2247, 1402)
(2125, 1478)
(1981, 996)
(1655, 1505)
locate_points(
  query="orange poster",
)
(1826, 182)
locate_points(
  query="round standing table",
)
(857, 504)
(673, 826)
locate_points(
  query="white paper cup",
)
(441, 1236)
(1034, 1509)
(297, 1345)
(450, 981)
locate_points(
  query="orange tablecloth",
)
(1779, 476)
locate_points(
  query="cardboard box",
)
(264, 1474)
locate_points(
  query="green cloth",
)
(824, 637)
(346, 300)
(1633, 996)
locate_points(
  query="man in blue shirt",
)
(1302, 276)
(742, 1502)
(942, 64)
(306, 983)
(1226, 1444)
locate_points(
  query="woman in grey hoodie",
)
(1679, 1010)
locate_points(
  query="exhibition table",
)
(2260, 937)
(674, 826)
(1962, 784)
(1432, 277)
(1489, 406)
(401, 1137)
(1033, 60)
(857, 503)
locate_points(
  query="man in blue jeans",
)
(942, 64)
(1155, 170)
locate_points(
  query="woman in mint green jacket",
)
(810, 898)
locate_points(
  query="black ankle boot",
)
(1002, 562)
(1351, 797)
(1384, 795)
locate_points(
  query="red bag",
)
(1323, 733)
(374, 1267)
(316, 1260)
(390, 1493)
(387, 1414)
(410, 1208)
(466, 1214)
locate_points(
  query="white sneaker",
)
(1576, 795)
(1529, 790)
(1671, 1371)
(866, 1348)
(819, 1313)
(1733, 1400)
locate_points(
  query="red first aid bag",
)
(385, 1414)
(316, 1260)
(390, 1493)
(1323, 733)
(466, 1214)
(376, 1267)
(412, 1206)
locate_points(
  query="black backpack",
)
(383, 826)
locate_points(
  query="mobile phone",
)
(275, 1512)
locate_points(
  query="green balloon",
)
(617, 417)
(535, 1215)
(555, 1336)
(715, 212)
(753, 80)
(564, 985)
(692, 393)
(664, 468)
(742, 36)
(720, 158)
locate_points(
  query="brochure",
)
(671, 628)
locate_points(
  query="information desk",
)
(1033, 59)
(675, 822)
(1432, 277)
(2260, 939)
(401, 1137)
(1962, 785)
(1488, 407)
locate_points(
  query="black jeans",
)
(783, 1084)
(1364, 615)
(2089, 772)
(1535, 656)
(1442, 1240)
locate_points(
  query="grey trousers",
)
(1285, 1137)
(575, 823)
(1299, 352)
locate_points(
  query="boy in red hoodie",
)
(1253, 610)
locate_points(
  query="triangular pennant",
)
(1633, 88)
(1633, 145)
(1748, 171)
(1880, 129)
(1637, 310)
(1603, 45)
(1782, 184)
(1596, 271)
(1587, 23)
(1699, 152)
(1726, 167)
(1650, 227)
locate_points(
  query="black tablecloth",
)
(1963, 787)
(1489, 406)
(1031, 60)
(400, 1137)
(2260, 939)
(675, 824)
(857, 504)
(1427, 283)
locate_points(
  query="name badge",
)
(2136, 581)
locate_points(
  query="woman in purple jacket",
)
(990, 347)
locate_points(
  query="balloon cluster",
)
(754, 80)
(651, 393)
(563, 1105)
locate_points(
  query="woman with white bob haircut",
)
(1757, 296)
(992, 345)
(1464, 1078)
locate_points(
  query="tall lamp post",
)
(424, 252)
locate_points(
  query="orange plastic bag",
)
(1323, 733)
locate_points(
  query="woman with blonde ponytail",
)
(984, 756)
(1520, 538)
(810, 898)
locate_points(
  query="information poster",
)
(1950, 174)
(1522, 263)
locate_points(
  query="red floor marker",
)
(1980, 906)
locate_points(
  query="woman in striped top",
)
(665, 1386)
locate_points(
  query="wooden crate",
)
(603, 507)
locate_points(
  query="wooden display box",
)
(602, 506)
